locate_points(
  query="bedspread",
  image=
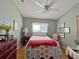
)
(36, 43)
(43, 51)
(48, 49)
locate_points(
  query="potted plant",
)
(7, 28)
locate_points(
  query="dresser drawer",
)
(8, 49)
(12, 55)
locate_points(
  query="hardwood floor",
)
(64, 56)
(20, 53)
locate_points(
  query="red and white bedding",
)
(41, 40)
(42, 46)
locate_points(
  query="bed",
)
(42, 47)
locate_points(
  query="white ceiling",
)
(28, 8)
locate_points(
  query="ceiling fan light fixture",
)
(22, 0)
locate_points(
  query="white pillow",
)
(39, 34)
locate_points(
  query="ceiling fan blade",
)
(40, 11)
(54, 9)
(37, 3)
(43, 11)
(50, 4)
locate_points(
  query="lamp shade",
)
(25, 29)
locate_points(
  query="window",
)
(39, 27)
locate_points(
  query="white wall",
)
(70, 21)
(8, 11)
(52, 24)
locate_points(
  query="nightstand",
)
(24, 40)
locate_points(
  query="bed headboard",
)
(39, 34)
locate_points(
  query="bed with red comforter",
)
(42, 47)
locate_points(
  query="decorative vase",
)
(7, 35)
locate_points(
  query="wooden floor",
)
(63, 54)
(20, 53)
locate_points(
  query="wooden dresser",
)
(8, 49)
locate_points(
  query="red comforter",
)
(36, 43)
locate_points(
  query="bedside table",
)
(24, 40)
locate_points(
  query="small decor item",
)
(2, 38)
(25, 31)
(77, 18)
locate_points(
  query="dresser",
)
(8, 49)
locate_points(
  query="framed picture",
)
(58, 30)
(77, 18)
(67, 30)
(62, 29)
(15, 25)
(62, 35)
(62, 24)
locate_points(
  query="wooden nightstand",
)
(24, 40)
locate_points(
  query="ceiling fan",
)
(47, 6)
(22, 0)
